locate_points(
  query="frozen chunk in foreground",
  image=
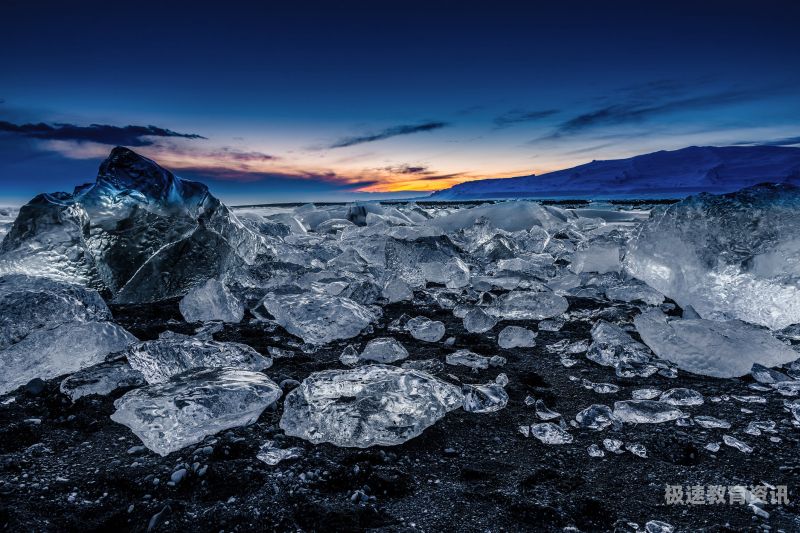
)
(383, 350)
(550, 433)
(477, 321)
(645, 412)
(211, 301)
(425, 329)
(318, 318)
(528, 305)
(101, 379)
(47, 353)
(367, 406)
(730, 256)
(719, 349)
(201, 402)
(516, 337)
(160, 359)
(600, 258)
(30, 303)
(486, 398)
(467, 358)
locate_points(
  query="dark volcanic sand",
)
(469, 472)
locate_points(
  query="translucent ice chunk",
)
(367, 406)
(634, 290)
(544, 412)
(729, 256)
(646, 411)
(766, 375)
(317, 318)
(613, 445)
(596, 417)
(516, 337)
(47, 353)
(733, 442)
(595, 451)
(160, 359)
(383, 350)
(211, 301)
(612, 346)
(183, 411)
(486, 398)
(645, 394)
(719, 349)
(272, 454)
(101, 379)
(682, 397)
(709, 422)
(550, 433)
(528, 305)
(425, 329)
(657, 526)
(600, 257)
(477, 321)
(467, 358)
(397, 290)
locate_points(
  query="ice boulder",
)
(720, 349)
(318, 318)
(160, 359)
(367, 406)
(47, 353)
(201, 402)
(211, 301)
(732, 256)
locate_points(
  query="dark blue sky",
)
(327, 100)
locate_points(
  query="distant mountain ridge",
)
(659, 174)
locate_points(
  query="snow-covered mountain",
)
(659, 174)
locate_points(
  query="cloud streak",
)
(394, 131)
(135, 136)
(517, 116)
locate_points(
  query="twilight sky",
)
(320, 101)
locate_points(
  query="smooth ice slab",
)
(160, 359)
(101, 379)
(516, 337)
(645, 412)
(367, 406)
(383, 350)
(720, 349)
(211, 301)
(47, 353)
(730, 256)
(318, 318)
(528, 305)
(425, 329)
(201, 402)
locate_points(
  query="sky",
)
(331, 101)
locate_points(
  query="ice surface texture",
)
(730, 256)
(720, 349)
(101, 379)
(183, 411)
(370, 405)
(211, 301)
(162, 358)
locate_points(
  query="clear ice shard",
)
(425, 329)
(47, 353)
(397, 290)
(766, 375)
(732, 256)
(596, 417)
(158, 360)
(597, 257)
(318, 318)
(211, 301)
(645, 412)
(550, 433)
(467, 358)
(544, 412)
(367, 406)
(516, 337)
(477, 321)
(528, 305)
(30, 303)
(612, 346)
(101, 379)
(184, 410)
(383, 350)
(657, 526)
(719, 349)
(272, 454)
(486, 398)
(635, 291)
(710, 422)
(733, 442)
(682, 397)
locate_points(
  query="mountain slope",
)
(659, 174)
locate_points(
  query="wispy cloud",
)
(135, 136)
(517, 116)
(786, 141)
(394, 131)
(408, 169)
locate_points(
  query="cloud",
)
(330, 180)
(786, 141)
(407, 169)
(643, 105)
(394, 131)
(134, 136)
(516, 116)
